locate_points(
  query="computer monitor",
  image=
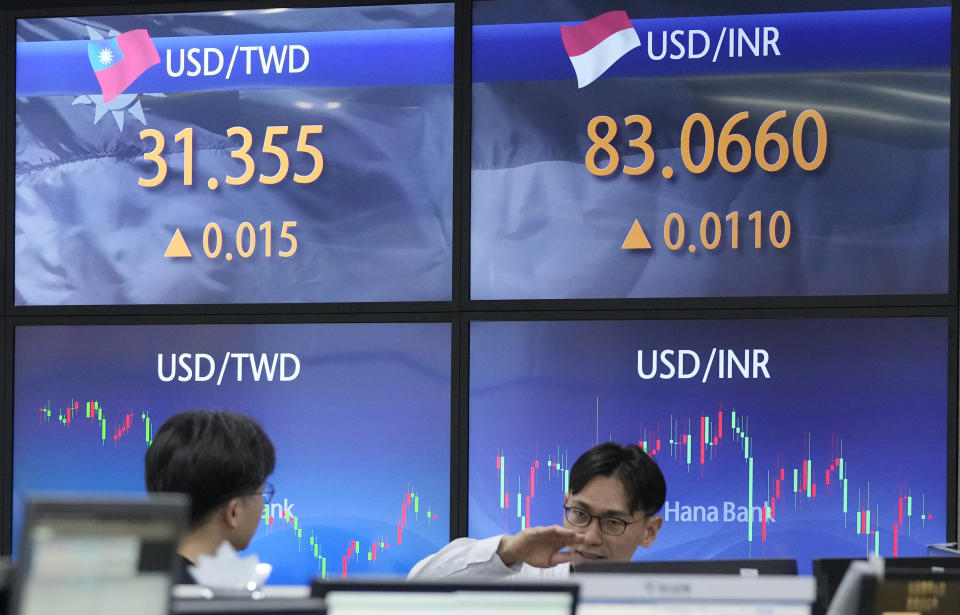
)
(100, 556)
(743, 567)
(272, 599)
(386, 597)
(667, 594)
(913, 591)
(7, 574)
(944, 549)
(829, 572)
(243, 606)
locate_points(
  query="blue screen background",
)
(375, 226)
(366, 421)
(547, 391)
(872, 219)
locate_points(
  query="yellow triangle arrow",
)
(178, 247)
(636, 238)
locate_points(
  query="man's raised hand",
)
(539, 546)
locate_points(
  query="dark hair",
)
(638, 473)
(211, 456)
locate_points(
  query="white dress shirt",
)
(470, 558)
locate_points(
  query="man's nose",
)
(592, 534)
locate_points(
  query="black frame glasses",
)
(611, 526)
(267, 492)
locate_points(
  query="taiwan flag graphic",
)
(117, 62)
(595, 45)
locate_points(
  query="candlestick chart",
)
(766, 496)
(355, 552)
(92, 412)
(361, 434)
(838, 449)
(281, 532)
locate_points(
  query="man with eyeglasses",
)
(222, 461)
(609, 512)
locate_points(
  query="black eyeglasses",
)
(608, 525)
(267, 493)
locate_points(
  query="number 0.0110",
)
(711, 230)
(246, 240)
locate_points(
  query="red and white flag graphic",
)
(595, 45)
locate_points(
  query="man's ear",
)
(650, 529)
(231, 513)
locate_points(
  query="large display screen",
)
(782, 438)
(259, 156)
(359, 415)
(640, 149)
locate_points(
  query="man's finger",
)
(561, 532)
(560, 557)
(567, 536)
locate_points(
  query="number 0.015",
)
(246, 240)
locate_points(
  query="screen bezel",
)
(673, 9)
(46, 8)
(7, 419)
(950, 316)
(461, 310)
